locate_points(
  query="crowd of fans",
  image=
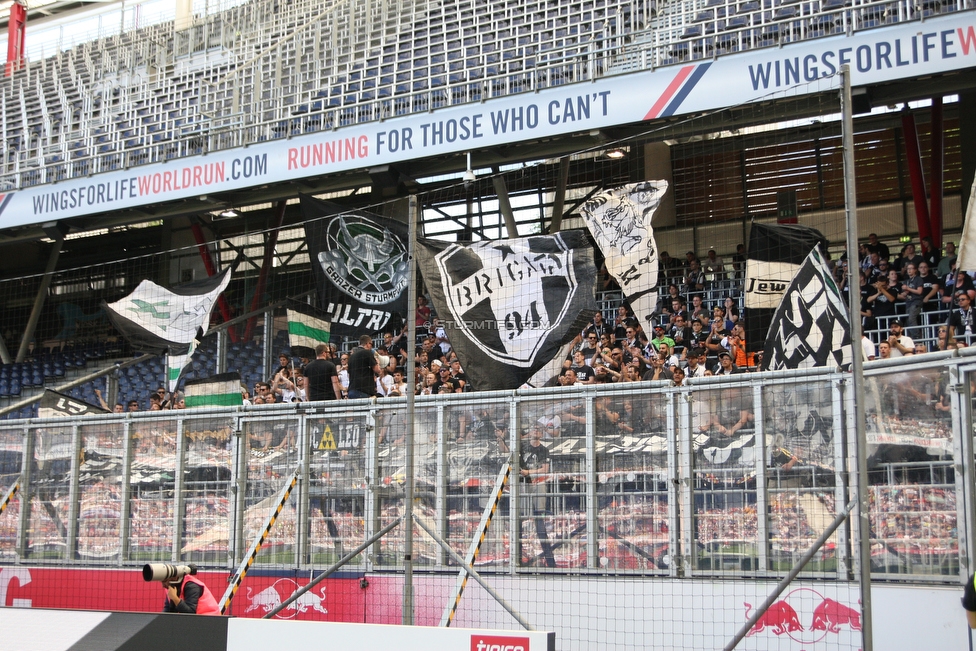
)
(913, 303)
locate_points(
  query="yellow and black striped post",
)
(9, 495)
(238, 578)
(496, 497)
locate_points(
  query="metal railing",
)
(641, 480)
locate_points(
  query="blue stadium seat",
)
(785, 13)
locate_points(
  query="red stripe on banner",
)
(669, 92)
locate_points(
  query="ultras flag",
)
(360, 266)
(620, 222)
(775, 254)
(811, 326)
(508, 306)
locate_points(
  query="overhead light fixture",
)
(616, 153)
(469, 175)
(230, 213)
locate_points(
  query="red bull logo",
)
(274, 595)
(785, 617)
(780, 618)
(830, 615)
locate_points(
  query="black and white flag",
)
(508, 306)
(620, 222)
(775, 254)
(360, 266)
(59, 405)
(156, 320)
(811, 326)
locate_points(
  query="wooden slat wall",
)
(708, 175)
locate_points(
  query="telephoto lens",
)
(166, 572)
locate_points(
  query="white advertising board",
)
(264, 634)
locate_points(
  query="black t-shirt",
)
(318, 376)
(883, 306)
(361, 376)
(462, 377)
(451, 382)
(928, 282)
(583, 373)
(533, 457)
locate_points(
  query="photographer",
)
(189, 595)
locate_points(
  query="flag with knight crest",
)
(508, 306)
(360, 265)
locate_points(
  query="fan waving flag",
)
(157, 320)
(776, 252)
(222, 390)
(306, 330)
(508, 306)
(811, 326)
(360, 266)
(620, 222)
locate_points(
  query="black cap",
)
(725, 353)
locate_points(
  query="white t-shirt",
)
(905, 341)
(384, 384)
(868, 349)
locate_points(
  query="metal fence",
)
(724, 476)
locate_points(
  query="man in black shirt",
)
(321, 376)
(534, 466)
(875, 245)
(444, 379)
(363, 369)
(961, 320)
(584, 372)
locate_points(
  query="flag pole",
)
(411, 375)
(857, 357)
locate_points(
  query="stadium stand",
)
(261, 71)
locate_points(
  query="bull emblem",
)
(780, 618)
(830, 615)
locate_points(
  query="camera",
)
(166, 572)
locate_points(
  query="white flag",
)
(620, 222)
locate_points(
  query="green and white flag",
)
(306, 331)
(222, 390)
(157, 320)
(175, 365)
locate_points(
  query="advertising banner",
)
(939, 45)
